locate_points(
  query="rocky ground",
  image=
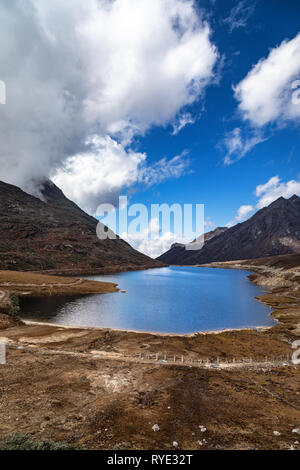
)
(49, 389)
(105, 389)
(281, 276)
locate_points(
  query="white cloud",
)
(238, 146)
(274, 189)
(182, 121)
(77, 69)
(165, 169)
(239, 15)
(267, 193)
(263, 188)
(265, 95)
(242, 214)
(151, 242)
(209, 224)
(99, 175)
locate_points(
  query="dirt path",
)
(57, 284)
(103, 355)
(3, 296)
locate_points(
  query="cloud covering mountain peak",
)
(77, 70)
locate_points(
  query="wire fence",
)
(162, 358)
(206, 361)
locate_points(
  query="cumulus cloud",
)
(104, 170)
(269, 94)
(264, 188)
(265, 95)
(239, 15)
(242, 213)
(75, 70)
(275, 188)
(100, 174)
(238, 146)
(151, 241)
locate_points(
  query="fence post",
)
(2, 353)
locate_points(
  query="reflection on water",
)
(170, 300)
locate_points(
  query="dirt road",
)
(105, 389)
(102, 402)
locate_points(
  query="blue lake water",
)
(170, 300)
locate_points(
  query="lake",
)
(169, 300)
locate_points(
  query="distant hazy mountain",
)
(178, 250)
(56, 235)
(274, 230)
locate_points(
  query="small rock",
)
(175, 444)
(202, 428)
(201, 443)
(155, 427)
(276, 433)
(296, 430)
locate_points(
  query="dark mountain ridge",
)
(57, 236)
(273, 230)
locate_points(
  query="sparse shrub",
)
(14, 304)
(17, 441)
(122, 446)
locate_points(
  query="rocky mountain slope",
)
(55, 235)
(273, 230)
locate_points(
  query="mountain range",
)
(51, 233)
(55, 235)
(273, 230)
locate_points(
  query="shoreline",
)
(73, 286)
(249, 270)
(103, 388)
(144, 332)
(159, 333)
(275, 275)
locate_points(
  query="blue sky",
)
(166, 101)
(224, 188)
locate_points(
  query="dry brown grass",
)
(39, 284)
(100, 404)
